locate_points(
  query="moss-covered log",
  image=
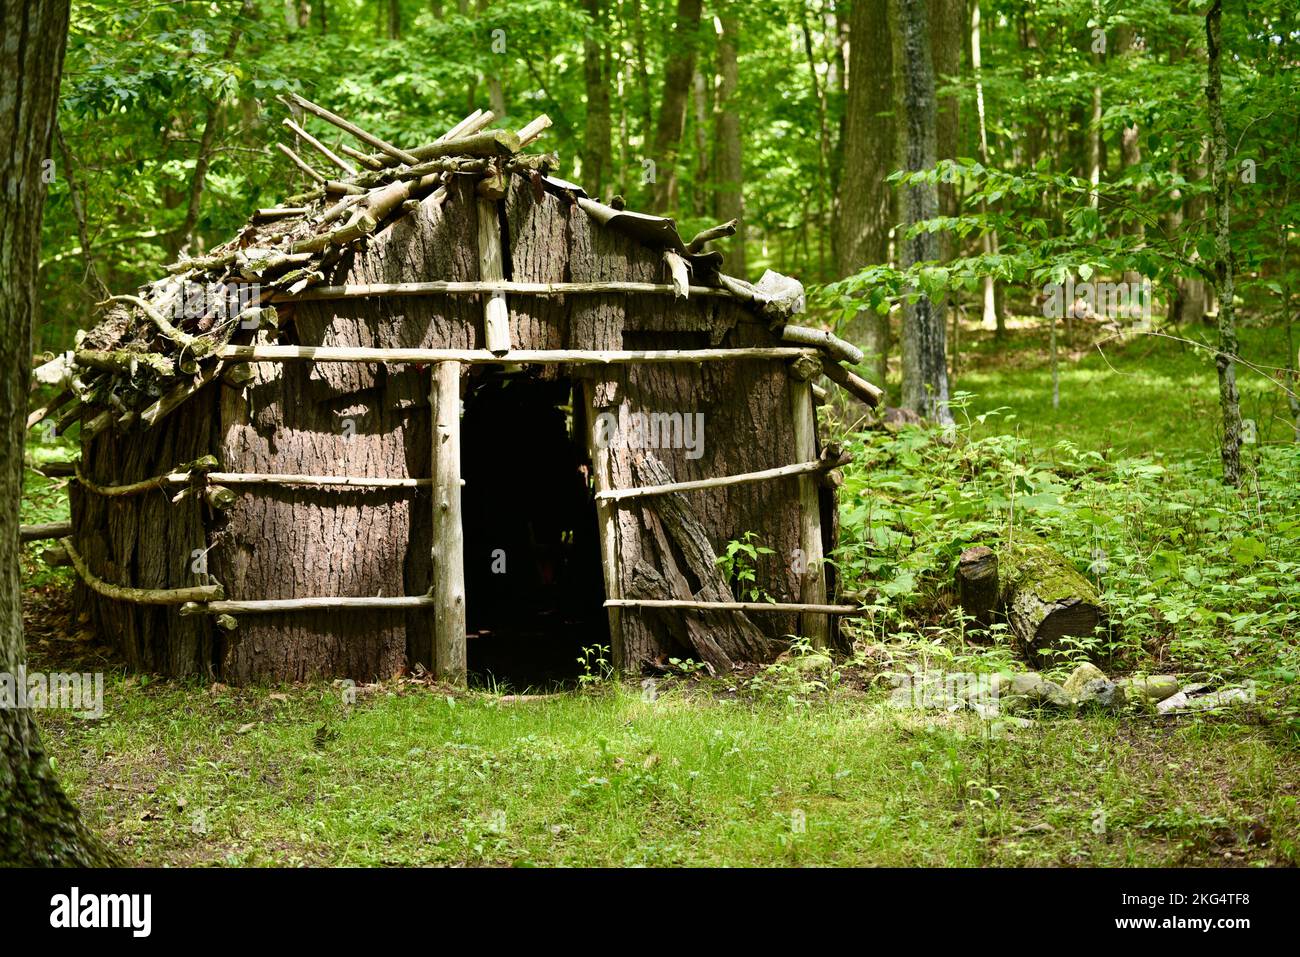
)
(1046, 600)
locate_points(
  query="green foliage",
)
(596, 666)
(1196, 577)
(739, 566)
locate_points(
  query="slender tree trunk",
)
(207, 140)
(1130, 150)
(700, 101)
(1229, 400)
(992, 312)
(1193, 298)
(495, 82)
(866, 202)
(1095, 145)
(925, 367)
(99, 291)
(596, 138)
(679, 67)
(394, 19)
(823, 144)
(643, 72)
(729, 197)
(38, 824)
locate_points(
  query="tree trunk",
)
(212, 118)
(945, 22)
(1229, 400)
(595, 145)
(679, 67)
(1192, 298)
(992, 299)
(866, 202)
(729, 199)
(495, 83)
(925, 369)
(39, 825)
(1130, 150)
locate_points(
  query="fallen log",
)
(1046, 599)
(977, 585)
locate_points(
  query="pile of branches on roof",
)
(158, 344)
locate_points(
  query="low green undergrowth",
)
(1196, 577)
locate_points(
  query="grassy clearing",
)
(1134, 396)
(1200, 581)
(177, 773)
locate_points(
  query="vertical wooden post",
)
(607, 518)
(448, 533)
(496, 315)
(812, 576)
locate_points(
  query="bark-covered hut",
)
(418, 414)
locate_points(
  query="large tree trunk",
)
(866, 202)
(678, 70)
(595, 67)
(729, 198)
(925, 369)
(39, 825)
(1229, 400)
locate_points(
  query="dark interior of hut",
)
(533, 581)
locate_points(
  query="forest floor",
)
(791, 764)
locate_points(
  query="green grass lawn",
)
(1138, 395)
(178, 773)
(783, 767)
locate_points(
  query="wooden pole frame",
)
(448, 590)
(777, 606)
(139, 596)
(607, 523)
(474, 287)
(483, 357)
(809, 562)
(267, 606)
(742, 478)
(496, 314)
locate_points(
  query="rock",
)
(1226, 697)
(894, 420)
(812, 663)
(1100, 693)
(1081, 675)
(1153, 688)
(1032, 690)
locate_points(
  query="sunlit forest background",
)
(784, 113)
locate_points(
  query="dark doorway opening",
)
(534, 589)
